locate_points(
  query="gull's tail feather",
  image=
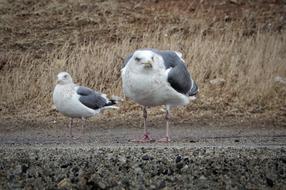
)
(113, 101)
(194, 89)
(109, 107)
(116, 99)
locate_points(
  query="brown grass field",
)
(242, 42)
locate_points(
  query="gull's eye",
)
(65, 76)
(137, 59)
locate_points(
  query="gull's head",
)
(146, 59)
(64, 78)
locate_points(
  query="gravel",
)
(142, 168)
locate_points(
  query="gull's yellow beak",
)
(148, 64)
(58, 81)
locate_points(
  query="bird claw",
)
(141, 140)
(146, 139)
(164, 140)
(74, 137)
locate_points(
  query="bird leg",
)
(146, 138)
(167, 117)
(146, 134)
(83, 121)
(70, 127)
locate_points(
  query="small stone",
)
(82, 182)
(125, 181)
(180, 165)
(145, 157)
(187, 160)
(25, 167)
(122, 159)
(202, 177)
(178, 158)
(143, 150)
(185, 169)
(269, 182)
(138, 170)
(65, 165)
(11, 177)
(65, 184)
(168, 172)
(75, 169)
(162, 184)
(101, 185)
(21, 169)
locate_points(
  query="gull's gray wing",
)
(127, 59)
(178, 75)
(180, 79)
(91, 98)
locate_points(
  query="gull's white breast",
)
(150, 88)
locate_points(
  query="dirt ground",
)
(102, 132)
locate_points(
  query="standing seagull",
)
(154, 77)
(77, 101)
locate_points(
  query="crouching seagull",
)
(153, 77)
(78, 101)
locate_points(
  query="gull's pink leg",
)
(83, 121)
(167, 117)
(146, 138)
(70, 127)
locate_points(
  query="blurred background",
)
(235, 50)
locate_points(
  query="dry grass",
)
(247, 63)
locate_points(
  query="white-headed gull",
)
(78, 101)
(154, 77)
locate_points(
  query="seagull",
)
(78, 101)
(153, 77)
